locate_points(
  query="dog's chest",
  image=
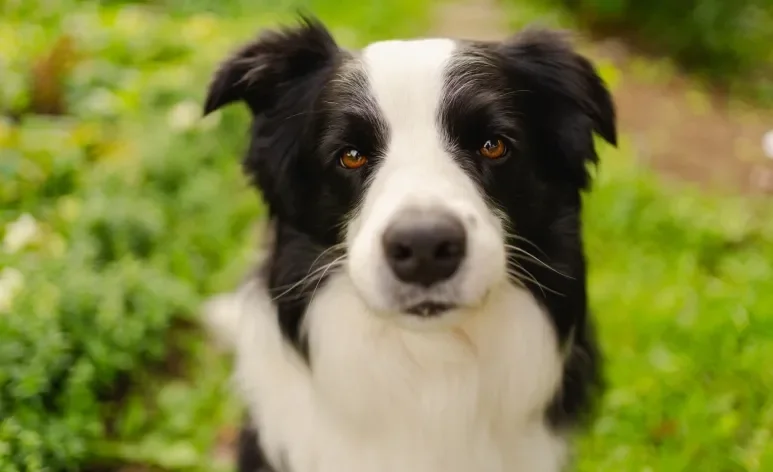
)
(379, 398)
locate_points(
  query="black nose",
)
(425, 248)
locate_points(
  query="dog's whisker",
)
(327, 268)
(518, 237)
(302, 295)
(292, 285)
(520, 273)
(521, 279)
(335, 247)
(309, 275)
(530, 256)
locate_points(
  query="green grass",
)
(141, 211)
(682, 287)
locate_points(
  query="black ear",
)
(563, 100)
(258, 71)
(280, 76)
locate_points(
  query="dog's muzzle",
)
(423, 249)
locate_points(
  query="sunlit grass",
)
(682, 288)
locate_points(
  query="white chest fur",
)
(381, 398)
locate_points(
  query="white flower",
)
(184, 116)
(20, 233)
(11, 282)
(767, 144)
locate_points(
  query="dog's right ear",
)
(564, 100)
(259, 71)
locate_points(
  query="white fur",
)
(381, 398)
(466, 394)
(406, 79)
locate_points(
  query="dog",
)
(421, 303)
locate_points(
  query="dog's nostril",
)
(425, 248)
(400, 252)
(447, 250)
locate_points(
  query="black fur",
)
(250, 456)
(533, 90)
(284, 77)
(546, 101)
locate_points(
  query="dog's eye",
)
(352, 159)
(493, 149)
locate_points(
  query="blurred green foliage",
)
(726, 41)
(682, 287)
(120, 208)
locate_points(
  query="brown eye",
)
(493, 149)
(352, 159)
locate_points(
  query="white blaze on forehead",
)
(406, 83)
(406, 78)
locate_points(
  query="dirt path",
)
(470, 19)
(688, 135)
(682, 134)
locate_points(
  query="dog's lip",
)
(429, 309)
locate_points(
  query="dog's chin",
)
(430, 316)
(429, 309)
(414, 307)
(415, 314)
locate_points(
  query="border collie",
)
(421, 306)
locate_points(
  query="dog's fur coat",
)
(345, 366)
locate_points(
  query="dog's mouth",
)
(429, 309)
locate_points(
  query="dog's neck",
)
(469, 397)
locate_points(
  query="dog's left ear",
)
(279, 76)
(563, 100)
(261, 72)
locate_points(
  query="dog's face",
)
(433, 170)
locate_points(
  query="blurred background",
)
(121, 210)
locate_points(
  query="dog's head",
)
(442, 169)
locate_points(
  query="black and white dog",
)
(422, 304)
